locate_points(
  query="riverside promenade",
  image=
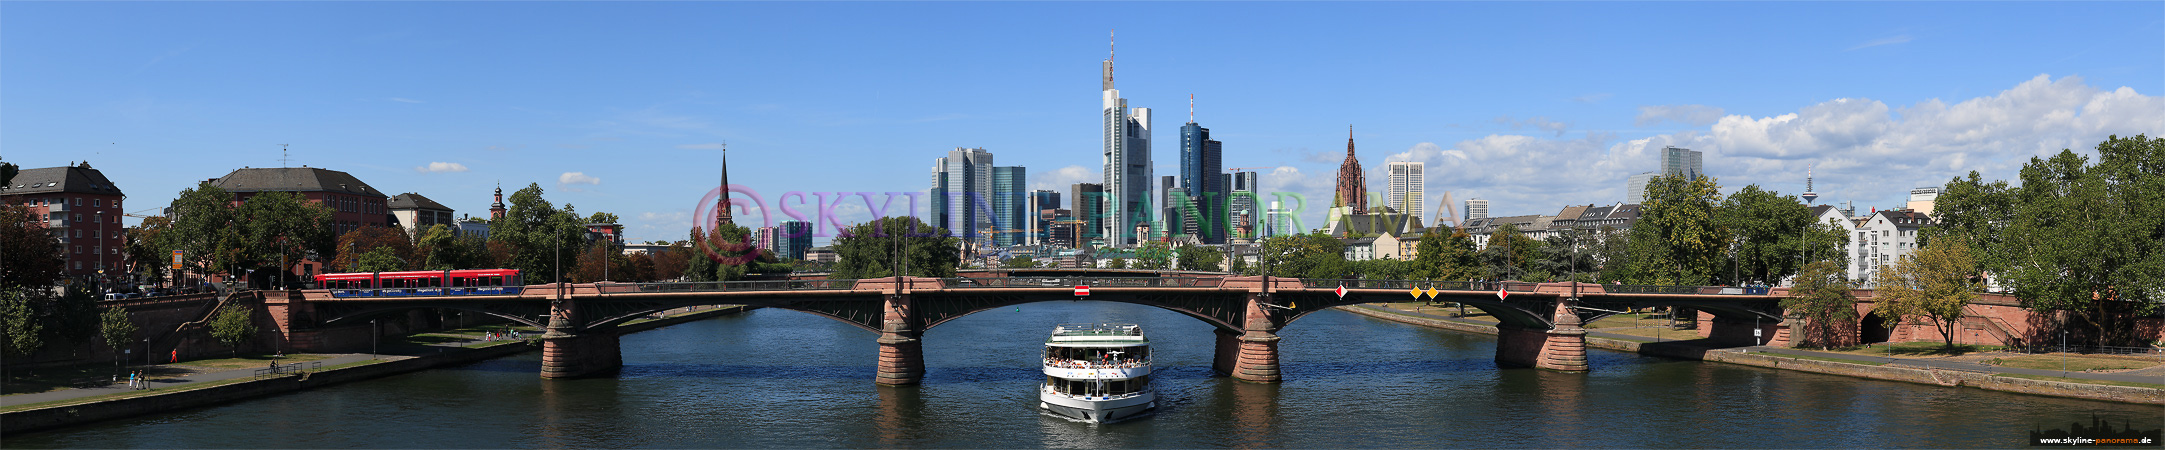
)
(2144, 385)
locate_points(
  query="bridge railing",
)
(1655, 289)
(1062, 282)
(1510, 286)
(728, 286)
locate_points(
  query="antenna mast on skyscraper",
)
(1191, 108)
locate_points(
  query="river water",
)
(773, 378)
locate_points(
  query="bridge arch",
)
(525, 317)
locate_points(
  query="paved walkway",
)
(2138, 376)
(391, 352)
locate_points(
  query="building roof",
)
(1374, 224)
(415, 201)
(1903, 218)
(78, 178)
(294, 179)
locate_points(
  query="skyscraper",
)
(1090, 209)
(1201, 159)
(793, 238)
(961, 188)
(1010, 205)
(1170, 221)
(1040, 224)
(1352, 183)
(1679, 161)
(1408, 187)
(1635, 188)
(1476, 209)
(1127, 165)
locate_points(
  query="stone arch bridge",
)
(1539, 323)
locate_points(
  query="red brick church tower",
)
(1352, 184)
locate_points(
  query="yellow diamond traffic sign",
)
(1432, 292)
(1416, 293)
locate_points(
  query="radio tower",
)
(1808, 195)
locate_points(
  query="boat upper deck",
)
(1098, 332)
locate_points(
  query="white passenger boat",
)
(1097, 373)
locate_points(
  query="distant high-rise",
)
(1169, 220)
(1352, 183)
(1476, 209)
(793, 239)
(961, 188)
(1201, 158)
(1408, 189)
(1241, 202)
(1127, 165)
(1010, 206)
(1090, 210)
(1040, 224)
(1635, 188)
(1679, 161)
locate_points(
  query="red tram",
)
(422, 283)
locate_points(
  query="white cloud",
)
(1063, 178)
(405, 100)
(571, 178)
(1865, 150)
(1538, 123)
(1694, 115)
(1890, 40)
(706, 146)
(441, 167)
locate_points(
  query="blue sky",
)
(619, 107)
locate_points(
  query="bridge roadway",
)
(1539, 323)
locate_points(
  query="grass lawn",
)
(1913, 349)
(2084, 381)
(245, 362)
(1440, 309)
(1657, 333)
(2069, 363)
(50, 379)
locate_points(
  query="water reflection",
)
(898, 416)
(1255, 414)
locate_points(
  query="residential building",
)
(417, 213)
(1635, 188)
(822, 255)
(613, 234)
(1828, 214)
(1408, 187)
(1882, 239)
(792, 239)
(1010, 206)
(1201, 160)
(1922, 199)
(353, 203)
(1128, 171)
(81, 208)
(961, 184)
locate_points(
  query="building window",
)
(100, 203)
(78, 201)
(78, 251)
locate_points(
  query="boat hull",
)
(1098, 411)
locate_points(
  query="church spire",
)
(1352, 182)
(721, 207)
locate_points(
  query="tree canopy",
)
(869, 250)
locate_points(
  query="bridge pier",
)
(1257, 360)
(568, 352)
(902, 355)
(1561, 348)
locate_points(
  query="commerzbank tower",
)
(1127, 166)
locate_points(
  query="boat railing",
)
(1081, 364)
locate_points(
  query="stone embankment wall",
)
(1942, 377)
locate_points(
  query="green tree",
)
(72, 319)
(441, 248)
(147, 247)
(234, 325)
(118, 332)
(356, 246)
(1769, 232)
(1677, 240)
(204, 232)
(1821, 298)
(1447, 253)
(34, 255)
(1303, 255)
(537, 236)
(1201, 258)
(19, 318)
(869, 250)
(1153, 255)
(1018, 262)
(1976, 211)
(1932, 284)
(1611, 251)
(1511, 255)
(2089, 240)
(1117, 263)
(281, 228)
(380, 259)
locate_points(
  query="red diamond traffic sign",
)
(1341, 291)
(1500, 294)
(1082, 290)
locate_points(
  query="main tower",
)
(1127, 164)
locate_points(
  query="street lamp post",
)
(374, 335)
